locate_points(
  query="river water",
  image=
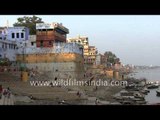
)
(150, 75)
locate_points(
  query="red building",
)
(48, 34)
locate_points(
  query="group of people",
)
(5, 92)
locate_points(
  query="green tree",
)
(111, 57)
(29, 22)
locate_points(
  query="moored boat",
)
(158, 92)
(152, 86)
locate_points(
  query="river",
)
(150, 75)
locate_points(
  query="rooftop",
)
(54, 25)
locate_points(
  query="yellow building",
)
(92, 55)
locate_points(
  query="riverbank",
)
(26, 94)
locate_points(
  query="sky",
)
(135, 39)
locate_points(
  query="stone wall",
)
(50, 57)
(64, 65)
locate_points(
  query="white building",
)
(8, 49)
(31, 43)
(11, 39)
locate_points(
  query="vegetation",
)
(29, 22)
(4, 62)
(111, 57)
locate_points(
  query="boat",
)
(158, 92)
(127, 102)
(138, 95)
(141, 102)
(144, 91)
(152, 86)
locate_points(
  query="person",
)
(78, 94)
(84, 75)
(1, 89)
(97, 102)
(8, 92)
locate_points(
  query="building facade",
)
(32, 41)
(63, 60)
(83, 41)
(51, 53)
(101, 60)
(91, 58)
(8, 49)
(48, 34)
(12, 39)
(89, 52)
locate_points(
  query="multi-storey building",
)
(83, 41)
(48, 34)
(89, 52)
(101, 60)
(52, 54)
(11, 39)
(91, 58)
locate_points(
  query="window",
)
(17, 35)
(6, 45)
(32, 43)
(13, 35)
(2, 45)
(50, 42)
(22, 35)
(41, 44)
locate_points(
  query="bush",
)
(4, 62)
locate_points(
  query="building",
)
(8, 49)
(11, 39)
(32, 41)
(48, 34)
(17, 33)
(83, 41)
(89, 52)
(63, 60)
(91, 58)
(101, 60)
(51, 53)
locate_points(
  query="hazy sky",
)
(135, 39)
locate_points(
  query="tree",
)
(111, 57)
(29, 22)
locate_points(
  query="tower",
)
(7, 24)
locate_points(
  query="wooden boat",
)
(158, 92)
(138, 95)
(152, 86)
